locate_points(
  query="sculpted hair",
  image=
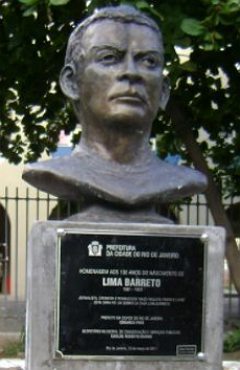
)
(122, 13)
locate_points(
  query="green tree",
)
(33, 36)
(204, 96)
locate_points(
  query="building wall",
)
(16, 199)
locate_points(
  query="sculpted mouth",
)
(128, 98)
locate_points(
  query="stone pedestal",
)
(43, 303)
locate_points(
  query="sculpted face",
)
(121, 76)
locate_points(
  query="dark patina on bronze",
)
(113, 75)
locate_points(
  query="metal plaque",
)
(130, 295)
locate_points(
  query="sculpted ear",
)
(165, 93)
(68, 82)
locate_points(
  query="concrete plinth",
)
(41, 300)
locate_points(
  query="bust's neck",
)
(117, 144)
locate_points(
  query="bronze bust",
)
(113, 75)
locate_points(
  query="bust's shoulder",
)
(71, 177)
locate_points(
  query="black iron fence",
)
(21, 207)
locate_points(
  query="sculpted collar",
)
(84, 174)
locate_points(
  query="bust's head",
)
(113, 69)
(113, 74)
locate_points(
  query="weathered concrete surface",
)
(20, 365)
(12, 316)
(42, 290)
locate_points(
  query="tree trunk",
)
(180, 124)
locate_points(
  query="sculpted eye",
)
(150, 61)
(107, 58)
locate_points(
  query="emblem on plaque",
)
(95, 249)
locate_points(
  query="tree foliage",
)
(33, 36)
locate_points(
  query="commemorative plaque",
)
(106, 296)
(130, 295)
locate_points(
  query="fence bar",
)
(16, 244)
(6, 263)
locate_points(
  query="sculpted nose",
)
(130, 71)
